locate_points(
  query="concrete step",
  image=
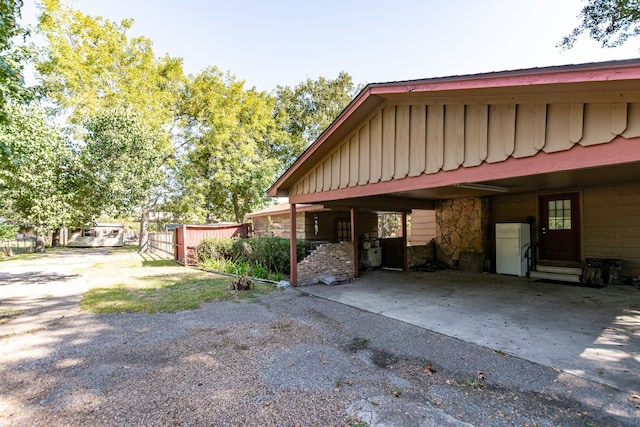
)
(559, 270)
(573, 278)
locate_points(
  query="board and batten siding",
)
(610, 227)
(399, 141)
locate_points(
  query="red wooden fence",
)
(188, 237)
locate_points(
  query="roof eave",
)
(567, 74)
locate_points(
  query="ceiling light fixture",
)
(485, 187)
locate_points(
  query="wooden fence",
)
(188, 237)
(163, 242)
(9, 247)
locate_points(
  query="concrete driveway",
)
(588, 332)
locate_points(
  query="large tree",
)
(611, 22)
(234, 141)
(35, 171)
(309, 108)
(117, 164)
(90, 64)
(11, 57)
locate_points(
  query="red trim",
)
(355, 241)
(618, 151)
(285, 210)
(293, 246)
(533, 77)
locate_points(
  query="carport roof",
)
(546, 81)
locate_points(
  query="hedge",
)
(269, 252)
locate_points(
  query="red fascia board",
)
(610, 71)
(618, 151)
(286, 210)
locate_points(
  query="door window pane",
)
(559, 214)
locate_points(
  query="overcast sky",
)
(284, 42)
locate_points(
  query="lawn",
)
(151, 285)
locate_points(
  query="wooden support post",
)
(354, 240)
(405, 265)
(293, 246)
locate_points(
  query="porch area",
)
(588, 332)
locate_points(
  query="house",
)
(102, 234)
(557, 148)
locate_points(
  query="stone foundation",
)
(334, 259)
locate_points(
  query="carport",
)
(557, 148)
(593, 333)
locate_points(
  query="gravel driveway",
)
(288, 359)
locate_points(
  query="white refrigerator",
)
(512, 241)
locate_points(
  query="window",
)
(89, 233)
(559, 214)
(343, 228)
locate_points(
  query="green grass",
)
(32, 255)
(165, 294)
(159, 263)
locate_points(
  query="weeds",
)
(6, 315)
(356, 422)
(473, 383)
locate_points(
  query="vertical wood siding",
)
(410, 140)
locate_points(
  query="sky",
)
(284, 42)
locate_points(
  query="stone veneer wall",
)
(335, 259)
(462, 225)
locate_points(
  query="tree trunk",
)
(236, 208)
(55, 240)
(39, 242)
(143, 242)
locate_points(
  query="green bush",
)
(215, 249)
(8, 231)
(258, 253)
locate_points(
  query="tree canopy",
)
(309, 108)
(35, 170)
(232, 144)
(138, 130)
(117, 164)
(611, 22)
(11, 58)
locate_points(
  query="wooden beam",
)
(293, 249)
(354, 240)
(405, 261)
(381, 203)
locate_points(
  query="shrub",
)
(215, 248)
(256, 253)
